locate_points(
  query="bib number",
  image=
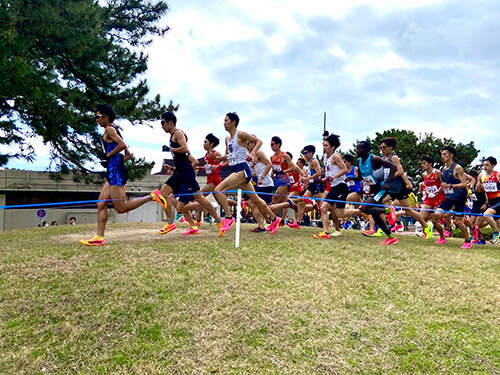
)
(369, 180)
(490, 186)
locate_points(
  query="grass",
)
(282, 304)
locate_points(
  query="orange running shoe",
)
(167, 228)
(96, 241)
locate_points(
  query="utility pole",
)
(325, 132)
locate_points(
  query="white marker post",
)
(238, 219)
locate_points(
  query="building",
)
(24, 193)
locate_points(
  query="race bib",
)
(208, 170)
(292, 181)
(370, 180)
(490, 186)
(449, 190)
(350, 183)
(431, 189)
(277, 168)
(366, 188)
(387, 172)
(231, 159)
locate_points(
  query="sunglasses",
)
(97, 117)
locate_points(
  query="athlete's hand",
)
(329, 179)
(165, 148)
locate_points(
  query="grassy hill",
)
(287, 304)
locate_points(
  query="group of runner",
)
(378, 184)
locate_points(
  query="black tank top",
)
(181, 159)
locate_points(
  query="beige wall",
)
(33, 182)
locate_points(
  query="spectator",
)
(72, 220)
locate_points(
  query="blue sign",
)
(41, 213)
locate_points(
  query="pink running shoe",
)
(475, 233)
(273, 227)
(228, 223)
(396, 227)
(391, 216)
(390, 241)
(447, 233)
(466, 245)
(191, 231)
(294, 225)
(441, 241)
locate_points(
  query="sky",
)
(427, 66)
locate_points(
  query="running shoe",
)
(322, 236)
(495, 238)
(191, 231)
(244, 207)
(257, 230)
(378, 233)
(391, 216)
(390, 241)
(96, 241)
(367, 233)
(447, 233)
(273, 227)
(429, 231)
(157, 197)
(167, 228)
(228, 223)
(420, 234)
(336, 233)
(441, 241)
(396, 227)
(294, 225)
(220, 226)
(292, 205)
(316, 207)
(475, 232)
(480, 242)
(466, 245)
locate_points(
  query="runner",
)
(212, 168)
(183, 181)
(433, 195)
(264, 184)
(353, 180)
(282, 164)
(454, 186)
(116, 176)
(371, 168)
(479, 205)
(238, 157)
(335, 170)
(315, 187)
(397, 187)
(490, 183)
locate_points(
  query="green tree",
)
(412, 147)
(60, 58)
